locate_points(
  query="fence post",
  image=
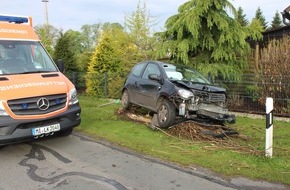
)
(269, 127)
(106, 84)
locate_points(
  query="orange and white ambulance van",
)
(36, 99)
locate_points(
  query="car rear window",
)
(137, 69)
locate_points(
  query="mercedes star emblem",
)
(43, 104)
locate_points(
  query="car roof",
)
(161, 64)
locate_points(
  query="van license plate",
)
(46, 129)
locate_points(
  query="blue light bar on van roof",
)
(15, 19)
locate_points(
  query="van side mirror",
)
(60, 65)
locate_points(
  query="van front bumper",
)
(14, 131)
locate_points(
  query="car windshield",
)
(24, 57)
(179, 72)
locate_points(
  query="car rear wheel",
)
(166, 114)
(125, 101)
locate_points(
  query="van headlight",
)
(73, 97)
(2, 109)
(184, 94)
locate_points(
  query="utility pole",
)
(45, 12)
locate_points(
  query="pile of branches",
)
(195, 131)
(218, 136)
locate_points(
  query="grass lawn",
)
(100, 121)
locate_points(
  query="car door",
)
(133, 81)
(148, 89)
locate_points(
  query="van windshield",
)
(18, 57)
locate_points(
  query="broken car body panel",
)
(151, 83)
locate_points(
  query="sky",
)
(72, 14)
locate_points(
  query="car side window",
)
(151, 69)
(137, 69)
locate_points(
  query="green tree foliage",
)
(277, 21)
(89, 36)
(81, 53)
(259, 16)
(85, 42)
(203, 35)
(48, 35)
(76, 41)
(113, 57)
(111, 26)
(83, 60)
(64, 50)
(139, 24)
(241, 17)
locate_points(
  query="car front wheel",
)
(166, 114)
(125, 100)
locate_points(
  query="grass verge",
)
(100, 121)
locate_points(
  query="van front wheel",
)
(67, 132)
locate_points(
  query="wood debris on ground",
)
(218, 136)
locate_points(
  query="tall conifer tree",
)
(65, 52)
(277, 21)
(241, 17)
(259, 16)
(203, 35)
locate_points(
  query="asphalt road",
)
(76, 162)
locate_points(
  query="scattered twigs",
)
(216, 137)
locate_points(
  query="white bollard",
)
(269, 128)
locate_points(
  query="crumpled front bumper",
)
(215, 113)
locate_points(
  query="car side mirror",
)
(155, 77)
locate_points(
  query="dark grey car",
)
(174, 92)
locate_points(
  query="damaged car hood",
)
(199, 86)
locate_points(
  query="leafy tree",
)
(89, 36)
(64, 50)
(83, 60)
(84, 44)
(82, 54)
(277, 21)
(107, 26)
(76, 41)
(113, 57)
(203, 35)
(48, 35)
(241, 17)
(259, 16)
(139, 24)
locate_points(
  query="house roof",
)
(277, 33)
